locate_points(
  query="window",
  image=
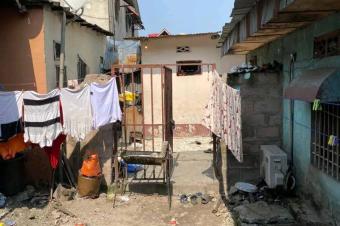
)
(82, 69)
(183, 49)
(185, 68)
(57, 70)
(326, 123)
(327, 45)
(56, 48)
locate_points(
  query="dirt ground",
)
(138, 210)
(192, 174)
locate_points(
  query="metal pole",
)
(62, 50)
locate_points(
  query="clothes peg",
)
(333, 140)
(316, 105)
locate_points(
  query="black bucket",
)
(12, 175)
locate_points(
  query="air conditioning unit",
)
(274, 165)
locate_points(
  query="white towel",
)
(42, 119)
(77, 115)
(10, 107)
(105, 103)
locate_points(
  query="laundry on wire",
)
(42, 117)
(223, 115)
(105, 103)
(10, 113)
(77, 115)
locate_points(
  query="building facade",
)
(191, 87)
(306, 43)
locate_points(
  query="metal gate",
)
(145, 93)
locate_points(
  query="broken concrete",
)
(263, 213)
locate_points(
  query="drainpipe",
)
(292, 106)
(62, 51)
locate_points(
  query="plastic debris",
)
(10, 223)
(246, 187)
(124, 198)
(173, 221)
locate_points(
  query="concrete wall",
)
(22, 56)
(190, 93)
(261, 122)
(82, 41)
(98, 12)
(310, 180)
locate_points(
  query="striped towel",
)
(42, 118)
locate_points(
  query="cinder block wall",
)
(98, 141)
(261, 123)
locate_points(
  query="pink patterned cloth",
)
(223, 115)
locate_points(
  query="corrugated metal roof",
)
(173, 36)
(240, 10)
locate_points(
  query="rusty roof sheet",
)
(307, 86)
(172, 36)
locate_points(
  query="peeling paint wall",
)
(310, 180)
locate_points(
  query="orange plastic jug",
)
(91, 166)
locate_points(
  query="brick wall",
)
(261, 123)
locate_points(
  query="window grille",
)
(325, 155)
(327, 45)
(183, 49)
(187, 68)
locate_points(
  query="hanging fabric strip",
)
(42, 118)
(232, 121)
(76, 112)
(105, 103)
(10, 113)
(212, 117)
(223, 115)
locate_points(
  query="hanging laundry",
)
(42, 118)
(14, 145)
(10, 114)
(212, 118)
(223, 115)
(77, 115)
(54, 151)
(232, 121)
(105, 103)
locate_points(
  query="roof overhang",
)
(320, 84)
(258, 22)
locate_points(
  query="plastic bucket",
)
(12, 175)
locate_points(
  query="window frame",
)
(82, 69)
(325, 157)
(188, 63)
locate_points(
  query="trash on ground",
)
(124, 198)
(173, 221)
(245, 187)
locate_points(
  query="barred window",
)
(327, 45)
(325, 151)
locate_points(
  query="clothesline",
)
(61, 111)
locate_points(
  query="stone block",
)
(275, 120)
(268, 105)
(248, 131)
(270, 132)
(254, 120)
